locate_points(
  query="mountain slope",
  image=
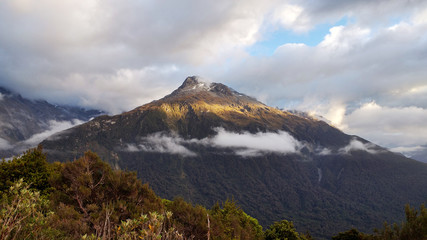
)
(207, 142)
(22, 119)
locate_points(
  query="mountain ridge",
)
(22, 119)
(193, 143)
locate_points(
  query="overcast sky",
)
(360, 64)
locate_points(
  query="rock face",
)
(21, 119)
(206, 142)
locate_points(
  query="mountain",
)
(24, 123)
(206, 142)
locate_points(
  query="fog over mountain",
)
(25, 123)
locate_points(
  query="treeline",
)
(87, 199)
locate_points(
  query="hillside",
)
(24, 122)
(206, 142)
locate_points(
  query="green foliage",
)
(283, 230)
(151, 226)
(189, 220)
(231, 222)
(32, 167)
(91, 198)
(414, 228)
(352, 234)
(24, 214)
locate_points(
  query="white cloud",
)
(248, 144)
(4, 144)
(388, 126)
(244, 144)
(161, 143)
(292, 17)
(356, 145)
(343, 39)
(1, 96)
(54, 127)
(408, 149)
(324, 151)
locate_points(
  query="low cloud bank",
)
(415, 152)
(54, 127)
(356, 145)
(162, 143)
(244, 144)
(248, 144)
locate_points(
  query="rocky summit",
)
(207, 142)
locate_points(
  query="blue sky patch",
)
(276, 39)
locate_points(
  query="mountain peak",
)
(195, 83)
(196, 86)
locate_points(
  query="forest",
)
(87, 199)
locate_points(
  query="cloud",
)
(116, 56)
(350, 64)
(248, 144)
(408, 149)
(4, 144)
(1, 96)
(161, 143)
(244, 144)
(356, 145)
(388, 126)
(415, 152)
(54, 127)
(291, 16)
(71, 50)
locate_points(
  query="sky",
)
(362, 65)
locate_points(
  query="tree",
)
(32, 167)
(24, 214)
(91, 198)
(191, 221)
(352, 234)
(151, 226)
(414, 228)
(231, 222)
(283, 230)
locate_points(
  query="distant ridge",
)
(22, 119)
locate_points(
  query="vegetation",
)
(414, 228)
(87, 199)
(284, 230)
